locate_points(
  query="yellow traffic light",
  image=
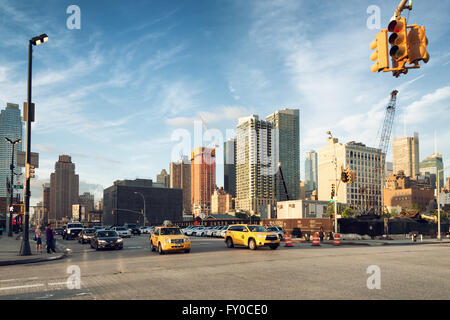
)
(381, 57)
(29, 171)
(398, 39)
(417, 45)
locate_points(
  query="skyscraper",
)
(203, 179)
(255, 164)
(311, 175)
(229, 171)
(430, 166)
(286, 144)
(180, 178)
(64, 185)
(406, 155)
(163, 178)
(11, 128)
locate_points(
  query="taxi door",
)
(155, 237)
(239, 235)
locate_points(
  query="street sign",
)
(18, 186)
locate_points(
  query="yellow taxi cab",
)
(165, 239)
(251, 236)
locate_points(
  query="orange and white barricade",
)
(316, 239)
(287, 241)
(337, 239)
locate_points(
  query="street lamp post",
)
(25, 246)
(13, 143)
(143, 199)
(336, 186)
(439, 200)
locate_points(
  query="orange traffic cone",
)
(316, 239)
(288, 242)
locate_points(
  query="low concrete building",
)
(300, 209)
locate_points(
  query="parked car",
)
(86, 235)
(133, 229)
(217, 232)
(210, 231)
(199, 232)
(72, 230)
(278, 230)
(107, 239)
(190, 231)
(59, 231)
(145, 230)
(251, 236)
(166, 239)
(223, 231)
(122, 231)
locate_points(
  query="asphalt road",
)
(212, 271)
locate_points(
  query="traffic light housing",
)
(417, 45)
(29, 171)
(398, 39)
(18, 208)
(380, 44)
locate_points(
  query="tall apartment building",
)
(406, 155)
(221, 202)
(255, 164)
(203, 179)
(180, 178)
(229, 171)
(46, 198)
(365, 193)
(311, 174)
(10, 127)
(430, 166)
(64, 185)
(86, 200)
(286, 142)
(163, 178)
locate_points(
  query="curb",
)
(64, 253)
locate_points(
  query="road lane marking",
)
(10, 280)
(57, 283)
(22, 287)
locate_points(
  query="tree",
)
(347, 212)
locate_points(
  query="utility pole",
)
(12, 167)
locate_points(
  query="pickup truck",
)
(72, 230)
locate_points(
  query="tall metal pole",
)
(439, 205)
(12, 191)
(25, 246)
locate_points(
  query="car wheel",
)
(96, 247)
(252, 244)
(273, 247)
(230, 243)
(160, 250)
(187, 250)
(152, 247)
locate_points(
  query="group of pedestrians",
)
(49, 237)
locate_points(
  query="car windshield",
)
(170, 231)
(89, 230)
(107, 234)
(257, 229)
(121, 229)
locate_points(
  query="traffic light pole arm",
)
(402, 6)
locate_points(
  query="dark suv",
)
(133, 228)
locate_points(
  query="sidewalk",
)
(377, 242)
(10, 247)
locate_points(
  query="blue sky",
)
(113, 93)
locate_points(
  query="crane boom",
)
(387, 124)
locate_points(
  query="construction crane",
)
(385, 136)
(282, 178)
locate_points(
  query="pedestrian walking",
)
(38, 237)
(50, 238)
(321, 234)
